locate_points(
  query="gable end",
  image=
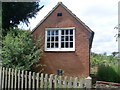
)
(70, 12)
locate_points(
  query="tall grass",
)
(110, 73)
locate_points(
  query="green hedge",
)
(110, 73)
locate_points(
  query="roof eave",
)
(60, 3)
(91, 39)
(46, 17)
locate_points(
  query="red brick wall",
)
(75, 63)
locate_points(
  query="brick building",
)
(67, 42)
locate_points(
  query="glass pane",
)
(52, 38)
(71, 32)
(66, 32)
(56, 32)
(62, 38)
(56, 38)
(48, 45)
(48, 38)
(71, 38)
(56, 45)
(71, 44)
(52, 32)
(66, 44)
(62, 44)
(66, 38)
(52, 45)
(48, 32)
(62, 32)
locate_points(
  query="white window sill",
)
(65, 49)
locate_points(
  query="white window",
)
(60, 39)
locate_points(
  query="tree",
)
(0, 21)
(19, 50)
(15, 12)
(98, 59)
(114, 53)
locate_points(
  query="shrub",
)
(109, 73)
(19, 50)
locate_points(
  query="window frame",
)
(59, 41)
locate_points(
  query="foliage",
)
(15, 12)
(105, 67)
(0, 15)
(19, 51)
(98, 59)
(108, 73)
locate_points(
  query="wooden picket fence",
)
(20, 79)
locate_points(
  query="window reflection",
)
(71, 31)
(71, 44)
(66, 32)
(48, 32)
(66, 37)
(62, 38)
(48, 38)
(56, 38)
(71, 38)
(56, 45)
(52, 38)
(48, 45)
(52, 45)
(62, 32)
(62, 44)
(52, 32)
(66, 44)
(56, 32)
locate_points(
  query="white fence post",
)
(70, 82)
(13, 78)
(88, 82)
(37, 81)
(46, 81)
(29, 80)
(22, 80)
(65, 81)
(26, 80)
(6, 77)
(9, 78)
(55, 81)
(33, 80)
(0, 77)
(50, 80)
(60, 81)
(41, 80)
(75, 82)
(18, 79)
(3, 77)
(15, 85)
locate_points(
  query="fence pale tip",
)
(88, 77)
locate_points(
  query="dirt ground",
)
(105, 86)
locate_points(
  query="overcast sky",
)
(99, 15)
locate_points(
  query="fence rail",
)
(12, 78)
